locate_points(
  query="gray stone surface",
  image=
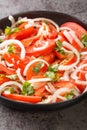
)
(73, 118)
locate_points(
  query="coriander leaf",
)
(11, 48)
(84, 39)
(27, 88)
(15, 30)
(53, 68)
(37, 68)
(50, 74)
(70, 95)
(11, 90)
(7, 30)
(59, 44)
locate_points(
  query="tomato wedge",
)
(40, 48)
(79, 30)
(3, 79)
(23, 33)
(70, 59)
(67, 84)
(31, 99)
(6, 69)
(53, 32)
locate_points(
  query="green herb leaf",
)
(11, 48)
(27, 88)
(37, 68)
(11, 90)
(50, 74)
(14, 30)
(84, 39)
(59, 44)
(70, 95)
(7, 30)
(53, 68)
(12, 76)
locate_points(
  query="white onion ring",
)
(12, 41)
(31, 62)
(2, 86)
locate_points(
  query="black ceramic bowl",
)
(59, 18)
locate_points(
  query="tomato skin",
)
(16, 61)
(79, 30)
(67, 84)
(22, 34)
(50, 57)
(69, 59)
(17, 97)
(3, 79)
(62, 37)
(6, 70)
(53, 32)
(49, 48)
(59, 55)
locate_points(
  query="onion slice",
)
(12, 41)
(67, 67)
(30, 63)
(2, 87)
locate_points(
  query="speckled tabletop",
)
(72, 118)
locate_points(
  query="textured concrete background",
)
(73, 118)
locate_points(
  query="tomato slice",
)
(53, 32)
(67, 84)
(32, 99)
(3, 79)
(15, 60)
(79, 30)
(6, 70)
(50, 57)
(23, 33)
(60, 55)
(32, 73)
(70, 59)
(40, 47)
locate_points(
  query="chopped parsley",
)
(70, 95)
(37, 68)
(51, 73)
(58, 47)
(27, 88)
(84, 39)
(11, 48)
(53, 68)
(9, 30)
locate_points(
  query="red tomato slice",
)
(79, 30)
(31, 73)
(67, 84)
(16, 61)
(50, 57)
(22, 34)
(34, 50)
(6, 70)
(32, 99)
(3, 79)
(53, 32)
(60, 55)
(71, 58)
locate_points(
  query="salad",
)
(42, 62)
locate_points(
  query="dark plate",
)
(59, 18)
